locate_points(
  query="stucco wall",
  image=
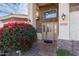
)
(74, 25)
(64, 24)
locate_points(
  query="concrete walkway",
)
(42, 49)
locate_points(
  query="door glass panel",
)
(43, 28)
(52, 27)
(55, 28)
(48, 27)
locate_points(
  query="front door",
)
(49, 30)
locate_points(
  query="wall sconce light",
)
(63, 16)
(37, 14)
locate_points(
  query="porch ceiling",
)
(43, 4)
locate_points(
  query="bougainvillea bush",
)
(17, 35)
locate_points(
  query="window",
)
(50, 14)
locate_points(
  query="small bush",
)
(63, 53)
(17, 35)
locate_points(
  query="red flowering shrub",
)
(17, 35)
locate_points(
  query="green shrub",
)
(17, 35)
(63, 53)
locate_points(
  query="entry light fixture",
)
(37, 14)
(63, 16)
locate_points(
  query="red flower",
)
(8, 45)
(1, 30)
(14, 47)
(14, 42)
(0, 43)
(9, 27)
(0, 37)
(28, 24)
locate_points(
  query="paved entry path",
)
(42, 49)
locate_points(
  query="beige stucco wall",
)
(31, 13)
(64, 24)
(69, 30)
(74, 25)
